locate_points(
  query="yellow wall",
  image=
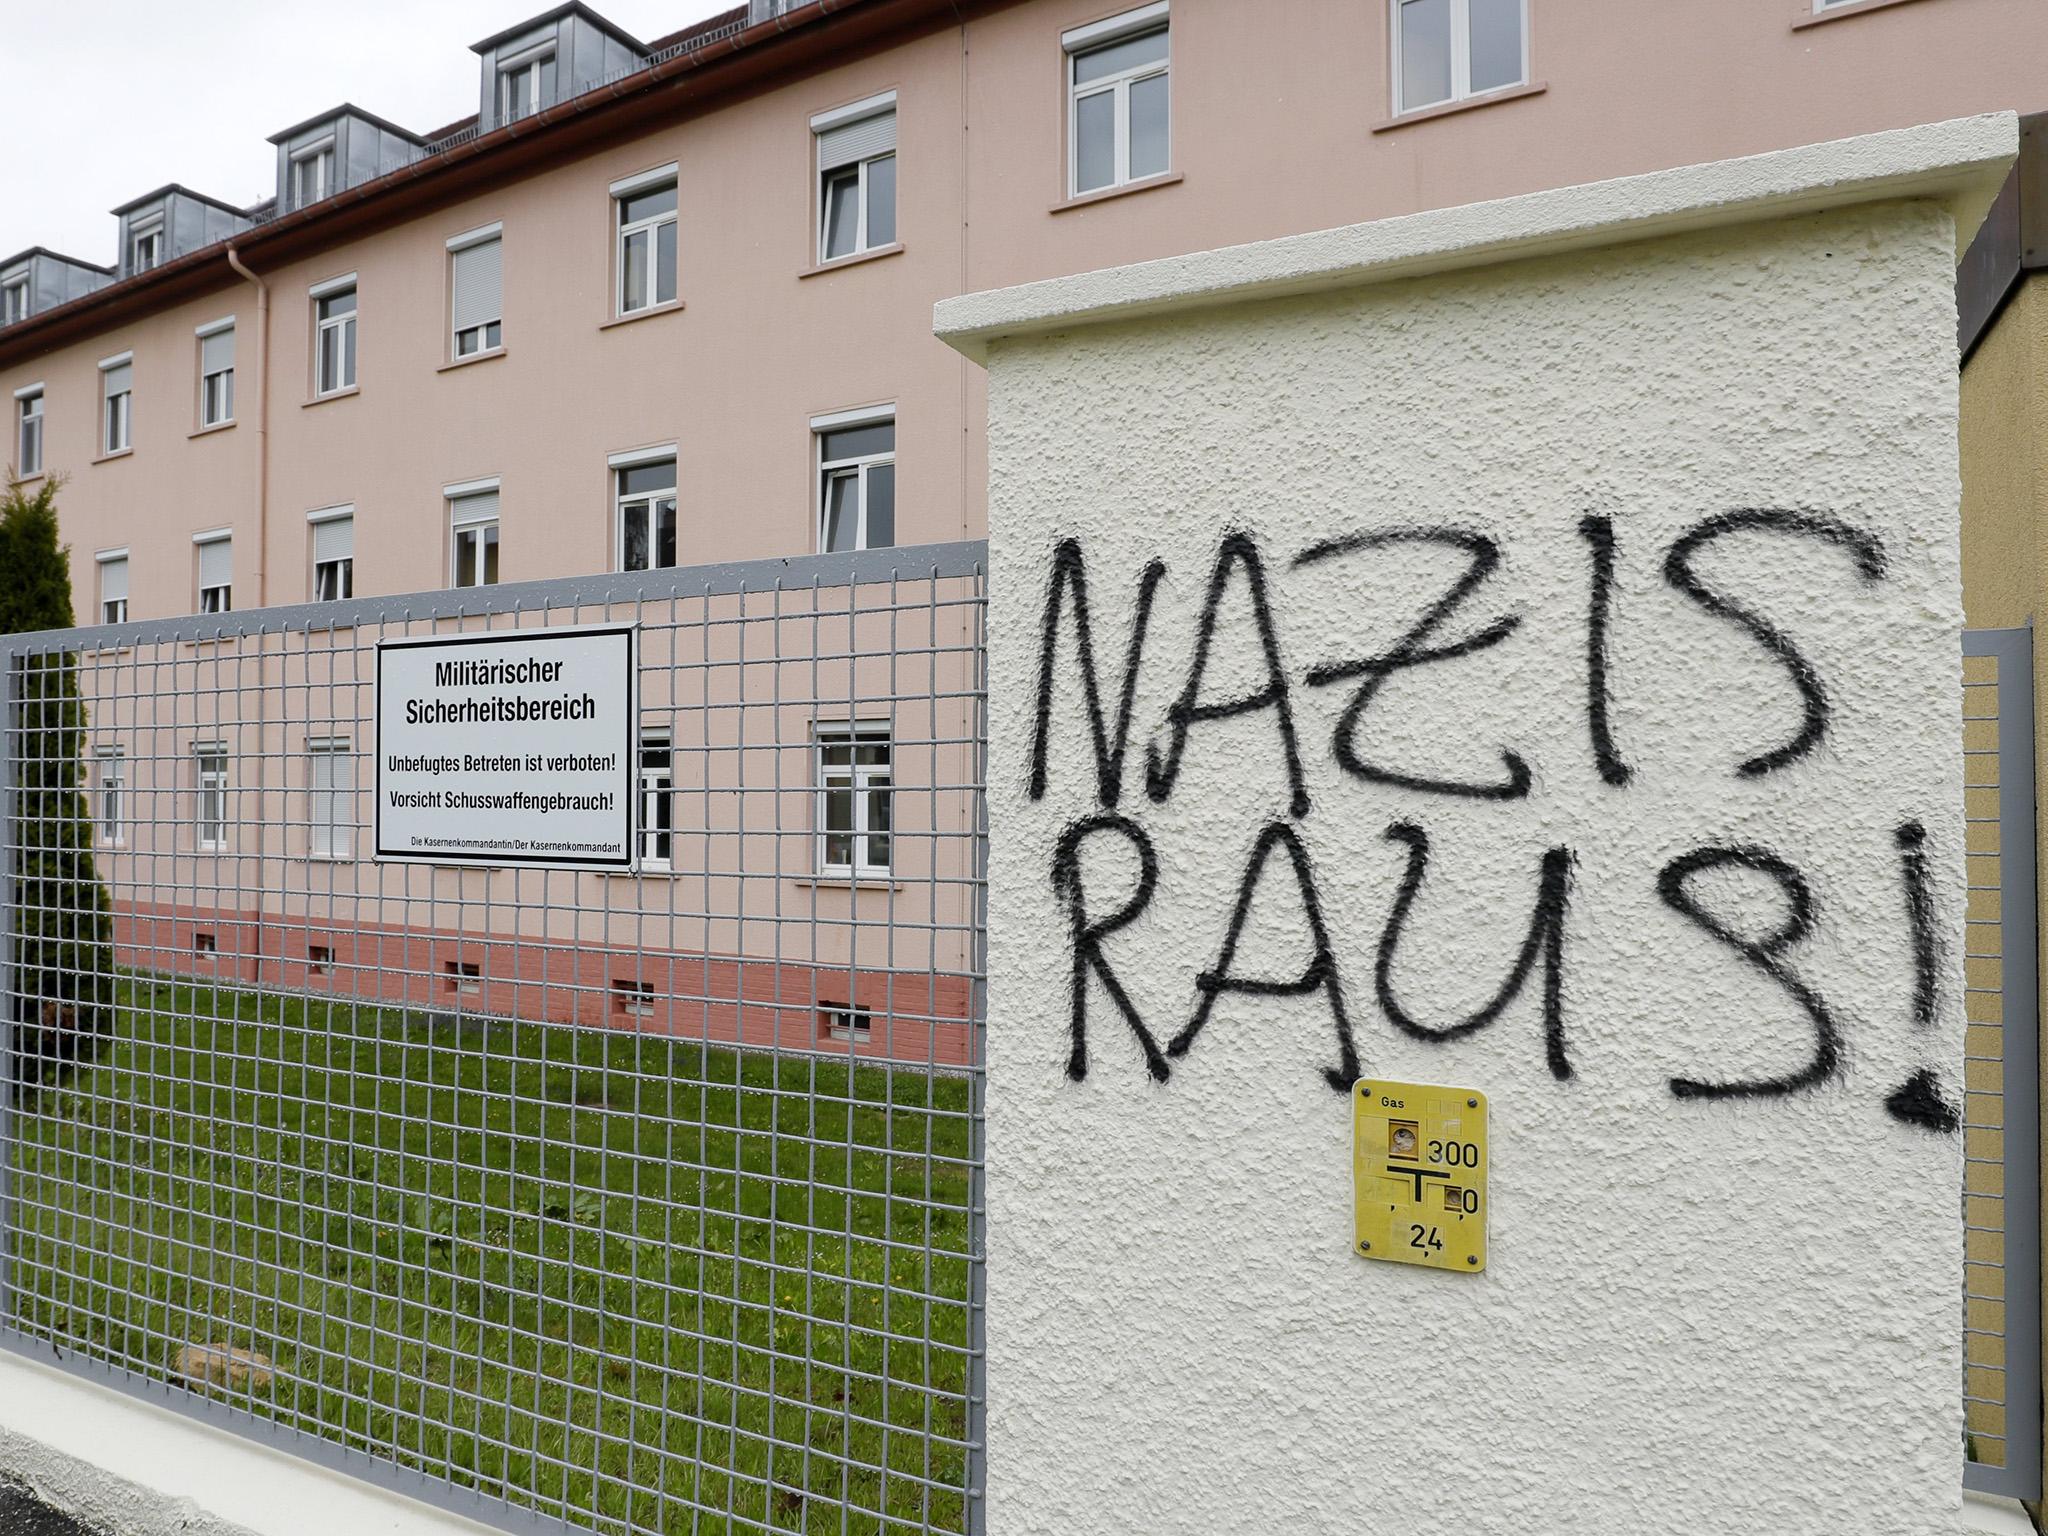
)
(2004, 414)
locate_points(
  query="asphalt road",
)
(23, 1515)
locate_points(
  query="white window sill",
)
(218, 426)
(328, 858)
(1105, 194)
(29, 479)
(1468, 104)
(1837, 13)
(118, 453)
(839, 879)
(332, 395)
(858, 258)
(475, 357)
(113, 847)
(205, 847)
(674, 306)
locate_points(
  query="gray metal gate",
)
(2001, 1117)
(648, 1203)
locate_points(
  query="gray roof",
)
(346, 109)
(573, 8)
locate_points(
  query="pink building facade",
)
(1281, 120)
(683, 317)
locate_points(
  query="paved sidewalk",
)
(22, 1514)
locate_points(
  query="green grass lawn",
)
(646, 1285)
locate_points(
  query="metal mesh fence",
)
(638, 1202)
(2001, 1206)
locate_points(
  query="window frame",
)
(825, 124)
(101, 561)
(1461, 59)
(1078, 44)
(452, 496)
(487, 341)
(855, 780)
(622, 192)
(226, 392)
(528, 62)
(646, 458)
(202, 753)
(110, 788)
(345, 583)
(862, 246)
(31, 394)
(857, 467)
(147, 235)
(657, 787)
(325, 326)
(117, 408)
(16, 284)
(845, 1023)
(339, 829)
(207, 605)
(320, 156)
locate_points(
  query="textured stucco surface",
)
(1721, 1316)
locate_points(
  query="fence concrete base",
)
(133, 1469)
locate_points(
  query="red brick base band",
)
(903, 1016)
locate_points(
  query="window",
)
(28, 432)
(856, 178)
(840, 1021)
(146, 245)
(114, 588)
(633, 998)
(216, 573)
(334, 347)
(205, 944)
(1447, 50)
(14, 300)
(465, 977)
(647, 240)
(110, 812)
(319, 959)
(212, 809)
(1117, 100)
(521, 82)
(473, 527)
(217, 373)
(312, 173)
(856, 484)
(334, 554)
(645, 493)
(853, 800)
(117, 423)
(330, 798)
(475, 287)
(657, 808)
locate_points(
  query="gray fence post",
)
(2016, 1473)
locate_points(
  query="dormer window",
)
(146, 246)
(14, 299)
(313, 173)
(645, 211)
(520, 82)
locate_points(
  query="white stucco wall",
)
(1719, 1313)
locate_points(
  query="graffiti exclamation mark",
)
(1920, 1100)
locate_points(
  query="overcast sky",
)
(103, 101)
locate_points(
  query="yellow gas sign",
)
(1418, 1162)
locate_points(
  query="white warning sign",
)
(509, 748)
